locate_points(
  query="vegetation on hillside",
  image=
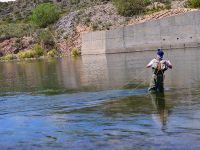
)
(10, 30)
(46, 39)
(45, 14)
(130, 7)
(21, 9)
(42, 16)
(194, 3)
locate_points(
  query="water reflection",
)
(101, 72)
(158, 101)
(115, 70)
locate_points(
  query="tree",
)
(45, 14)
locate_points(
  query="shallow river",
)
(100, 102)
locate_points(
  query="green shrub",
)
(45, 14)
(9, 57)
(35, 52)
(45, 37)
(52, 53)
(26, 54)
(151, 11)
(75, 52)
(194, 3)
(130, 7)
(38, 50)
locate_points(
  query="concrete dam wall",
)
(179, 31)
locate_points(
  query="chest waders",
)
(157, 79)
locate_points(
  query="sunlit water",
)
(100, 102)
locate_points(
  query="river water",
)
(100, 102)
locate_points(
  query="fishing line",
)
(140, 84)
(134, 79)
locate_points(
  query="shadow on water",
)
(62, 103)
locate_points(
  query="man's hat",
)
(160, 53)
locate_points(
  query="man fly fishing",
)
(159, 66)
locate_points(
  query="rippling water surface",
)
(100, 102)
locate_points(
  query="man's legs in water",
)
(160, 83)
(157, 83)
(152, 87)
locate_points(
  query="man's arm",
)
(169, 64)
(149, 64)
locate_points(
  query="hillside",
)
(18, 34)
(20, 9)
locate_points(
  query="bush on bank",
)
(52, 53)
(26, 54)
(75, 52)
(35, 52)
(9, 57)
(38, 50)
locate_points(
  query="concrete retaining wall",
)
(172, 32)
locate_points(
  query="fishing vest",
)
(159, 67)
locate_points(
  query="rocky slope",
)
(102, 17)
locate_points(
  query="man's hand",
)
(169, 64)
